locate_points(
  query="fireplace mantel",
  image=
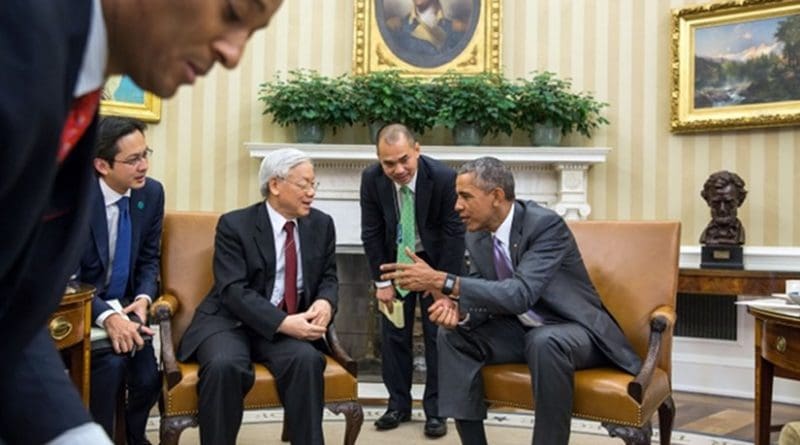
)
(554, 176)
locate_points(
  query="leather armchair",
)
(634, 266)
(186, 276)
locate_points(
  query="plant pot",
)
(467, 134)
(374, 128)
(309, 132)
(545, 135)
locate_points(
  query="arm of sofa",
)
(662, 320)
(338, 353)
(162, 311)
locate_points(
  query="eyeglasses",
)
(136, 159)
(304, 186)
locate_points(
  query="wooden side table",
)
(777, 353)
(69, 327)
(733, 282)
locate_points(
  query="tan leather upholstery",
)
(186, 272)
(634, 266)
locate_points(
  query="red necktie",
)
(290, 270)
(80, 116)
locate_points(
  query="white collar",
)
(277, 220)
(412, 184)
(95, 54)
(503, 232)
(110, 196)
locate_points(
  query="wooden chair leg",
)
(354, 418)
(119, 419)
(171, 428)
(631, 435)
(666, 415)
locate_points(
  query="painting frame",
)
(481, 49)
(687, 24)
(148, 109)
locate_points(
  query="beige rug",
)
(502, 428)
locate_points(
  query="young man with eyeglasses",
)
(121, 259)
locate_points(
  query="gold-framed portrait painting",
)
(426, 37)
(122, 97)
(736, 65)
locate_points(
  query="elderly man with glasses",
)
(121, 259)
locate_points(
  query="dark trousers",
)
(226, 375)
(37, 399)
(397, 357)
(553, 352)
(137, 376)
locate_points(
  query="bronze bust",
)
(724, 192)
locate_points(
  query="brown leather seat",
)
(186, 275)
(634, 266)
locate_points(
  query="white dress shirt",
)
(279, 236)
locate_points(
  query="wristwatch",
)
(449, 283)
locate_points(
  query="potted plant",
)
(474, 105)
(309, 101)
(382, 97)
(547, 108)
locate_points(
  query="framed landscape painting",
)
(736, 65)
(122, 97)
(426, 37)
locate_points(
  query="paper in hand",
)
(396, 317)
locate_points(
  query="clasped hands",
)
(125, 334)
(421, 277)
(309, 325)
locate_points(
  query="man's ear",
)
(102, 166)
(499, 195)
(272, 187)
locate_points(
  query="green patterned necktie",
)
(406, 235)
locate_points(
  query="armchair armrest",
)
(662, 319)
(162, 311)
(338, 353)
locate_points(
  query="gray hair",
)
(277, 164)
(490, 173)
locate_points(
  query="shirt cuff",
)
(145, 296)
(102, 317)
(382, 284)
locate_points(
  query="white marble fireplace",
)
(553, 176)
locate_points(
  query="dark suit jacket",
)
(439, 226)
(147, 216)
(549, 277)
(244, 275)
(43, 203)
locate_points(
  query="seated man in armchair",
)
(275, 291)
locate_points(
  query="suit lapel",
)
(99, 224)
(516, 233)
(265, 243)
(484, 260)
(137, 206)
(422, 200)
(306, 235)
(388, 197)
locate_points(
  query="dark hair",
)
(490, 173)
(392, 132)
(109, 131)
(721, 179)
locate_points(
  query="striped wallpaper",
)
(618, 49)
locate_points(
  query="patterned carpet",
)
(502, 428)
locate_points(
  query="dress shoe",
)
(435, 427)
(391, 419)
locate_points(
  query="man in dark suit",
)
(527, 299)
(126, 216)
(55, 56)
(275, 291)
(403, 176)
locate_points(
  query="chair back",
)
(187, 254)
(634, 266)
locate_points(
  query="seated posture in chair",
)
(122, 261)
(275, 291)
(528, 298)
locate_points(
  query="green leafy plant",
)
(305, 96)
(485, 99)
(546, 99)
(388, 97)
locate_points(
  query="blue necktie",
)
(122, 255)
(503, 269)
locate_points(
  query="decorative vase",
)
(545, 135)
(467, 133)
(374, 128)
(309, 132)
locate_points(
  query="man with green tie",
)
(408, 199)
